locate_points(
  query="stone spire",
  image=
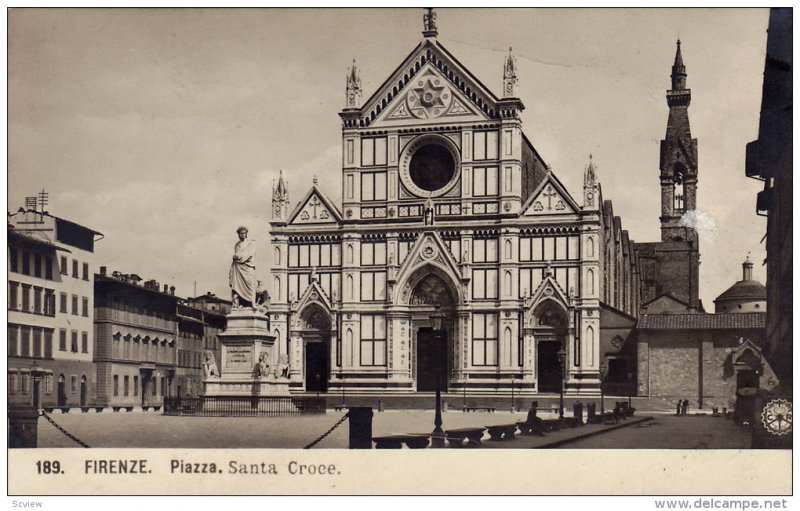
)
(590, 186)
(353, 95)
(678, 70)
(430, 23)
(280, 200)
(510, 76)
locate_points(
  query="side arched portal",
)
(315, 330)
(550, 324)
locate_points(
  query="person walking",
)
(678, 407)
(685, 406)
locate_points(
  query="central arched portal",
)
(432, 291)
(316, 333)
(550, 324)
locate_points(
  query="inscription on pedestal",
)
(239, 357)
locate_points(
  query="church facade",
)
(447, 208)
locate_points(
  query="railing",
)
(619, 389)
(244, 406)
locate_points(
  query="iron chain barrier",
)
(322, 437)
(66, 433)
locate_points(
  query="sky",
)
(166, 129)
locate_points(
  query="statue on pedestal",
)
(242, 276)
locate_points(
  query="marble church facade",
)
(448, 206)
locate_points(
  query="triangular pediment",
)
(315, 293)
(428, 250)
(315, 208)
(429, 97)
(548, 291)
(407, 97)
(550, 198)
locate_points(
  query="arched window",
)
(590, 281)
(508, 249)
(589, 345)
(507, 347)
(507, 283)
(349, 253)
(590, 247)
(349, 286)
(277, 257)
(348, 348)
(276, 287)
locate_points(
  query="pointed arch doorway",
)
(316, 333)
(550, 331)
(430, 292)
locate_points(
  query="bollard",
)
(579, 409)
(22, 426)
(360, 418)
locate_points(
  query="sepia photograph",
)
(239, 238)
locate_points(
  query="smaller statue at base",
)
(210, 366)
(282, 369)
(262, 369)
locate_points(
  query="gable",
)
(665, 304)
(429, 56)
(315, 208)
(549, 199)
(430, 96)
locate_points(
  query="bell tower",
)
(678, 160)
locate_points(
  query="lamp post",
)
(602, 380)
(437, 321)
(341, 382)
(562, 356)
(513, 405)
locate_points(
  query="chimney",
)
(103, 271)
(747, 269)
(172, 290)
(166, 288)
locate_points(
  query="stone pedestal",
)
(245, 340)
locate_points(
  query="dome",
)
(747, 295)
(744, 290)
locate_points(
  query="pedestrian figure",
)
(685, 406)
(532, 412)
(678, 407)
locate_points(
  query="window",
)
(85, 271)
(49, 302)
(13, 299)
(26, 298)
(37, 265)
(75, 305)
(135, 385)
(373, 186)
(126, 385)
(63, 268)
(12, 382)
(116, 385)
(62, 340)
(75, 268)
(37, 300)
(48, 344)
(484, 181)
(73, 383)
(373, 254)
(373, 340)
(84, 342)
(37, 342)
(154, 386)
(484, 251)
(48, 268)
(373, 286)
(298, 282)
(13, 257)
(26, 263)
(85, 308)
(13, 349)
(484, 145)
(25, 377)
(25, 341)
(373, 151)
(484, 284)
(74, 341)
(62, 303)
(484, 340)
